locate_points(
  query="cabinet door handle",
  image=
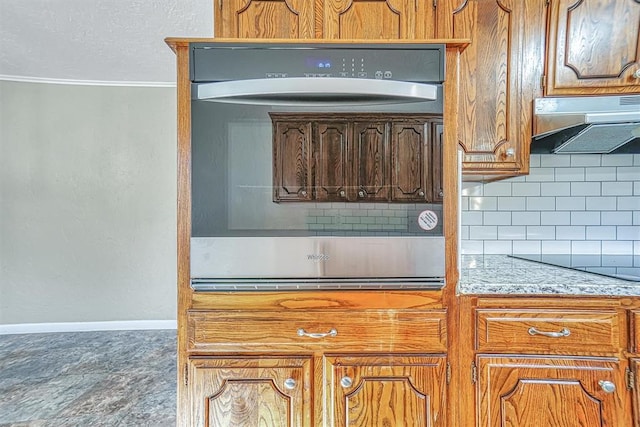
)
(289, 383)
(607, 386)
(346, 381)
(342, 193)
(362, 193)
(637, 74)
(332, 333)
(564, 332)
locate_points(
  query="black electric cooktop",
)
(625, 267)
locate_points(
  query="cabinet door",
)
(635, 370)
(264, 19)
(409, 162)
(559, 392)
(594, 47)
(292, 161)
(378, 19)
(501, 75)
(385, 390)
(265, 392)
(371, 169)
(330, 151)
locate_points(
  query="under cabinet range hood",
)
(586, 125)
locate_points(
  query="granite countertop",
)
(500, 274)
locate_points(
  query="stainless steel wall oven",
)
(316, 166)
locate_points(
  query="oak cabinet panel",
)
(547, 331)
(501, 73)
(370, 154)
(378, 19)
(331, 162)
(635, 383)
(594, 47)
(387, 390)
(266, 391)
(264, 19)
(410, 166)
(559, 392)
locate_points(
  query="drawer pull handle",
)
(607, 386)
(563, 333)
(332, 333)
(289, 383)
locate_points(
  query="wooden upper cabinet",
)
(293, 19)
(500, 75)
(594, 47)
(386, 390)
(378, 19)
(370, 152)
(292, 161)
(331, 163)
(410, 165)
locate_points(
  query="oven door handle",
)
(299, 91)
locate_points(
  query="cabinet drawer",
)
(339, 330)
(547, 331)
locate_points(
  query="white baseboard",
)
(117, 325)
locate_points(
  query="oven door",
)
(245, 237)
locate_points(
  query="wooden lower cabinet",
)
(635, 386)
(251, 391)
(386, 390)
(551, 391)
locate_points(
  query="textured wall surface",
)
(581, 204)
(97, 41)
(87, 203)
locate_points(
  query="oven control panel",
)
(236, 61)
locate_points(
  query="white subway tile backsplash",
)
(617, 160)
(496, 218)
(541, 203)
(555, 189)
(556, 246)
(483, 232)
(555, 161)
(583, 204)
(525, 218)
(628, 173)
(536, 232)
(617, 247)
(472, 218)
(586, 247)
(629, 232)
(483, 203)
(511, 203)
(525, 189)
(616, 218)
(497, 247)
(572, 232)
(555, 218)
(512, 232)
(617, 188)
(600, 174)
(601, 203)
(585, 160)
(541, 175)
(629, 203)
(498, 189)
(527, 247)
(573, 203)
(569, 174)
(601, 232)
(585, 189)
(585, 218)
(472, 247)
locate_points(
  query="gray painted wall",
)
(87, 203)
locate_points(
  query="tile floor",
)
(115, 378)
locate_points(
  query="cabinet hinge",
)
(185, 376)
(220, 4)
(631, 379)
(543, 82)
(448, 373)
(435, 4)
(474, 373)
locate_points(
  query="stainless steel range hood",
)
(586, 125)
